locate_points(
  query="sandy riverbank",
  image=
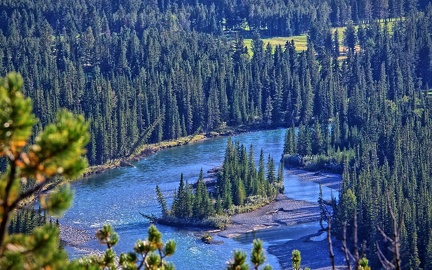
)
(281, 212)
(285, 212)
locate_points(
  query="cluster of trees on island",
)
(239, 186)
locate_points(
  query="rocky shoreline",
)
(283, 211)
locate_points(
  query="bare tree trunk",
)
(330, 244)
(394, 242)
(345, 248)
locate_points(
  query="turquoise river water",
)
(119, 195)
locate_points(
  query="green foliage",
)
(257, 258)
(322, 154)
(290, 142)
(139, 73)
(202, 205)
(34, 251)
(258, 255)
(364, 264)
(154, 251)
(56, 203)
(58, 152)
(350, 38)
(162, 201)
(59, 149)
(147, 254)
(167, 72)
(107, 236)
(16, 115)
(296, 259)
(25, 220)
(238, 262)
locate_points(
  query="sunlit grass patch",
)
(300, 42)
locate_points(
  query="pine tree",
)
(261, 180)
(199, 205)
(239, 192)
(271, 170)
(252, 173)
(162, 202)
(350, 37)
(280, 177)
(318, 145)
(257, 258)
(57, 152)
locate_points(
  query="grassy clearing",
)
(300, 42)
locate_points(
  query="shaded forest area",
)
(150, 69)
(169, 69)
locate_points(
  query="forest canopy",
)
(152, 71)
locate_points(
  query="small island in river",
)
(239, 186)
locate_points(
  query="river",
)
(119, 195)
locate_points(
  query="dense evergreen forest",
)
(152, 71)
(378, 137)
